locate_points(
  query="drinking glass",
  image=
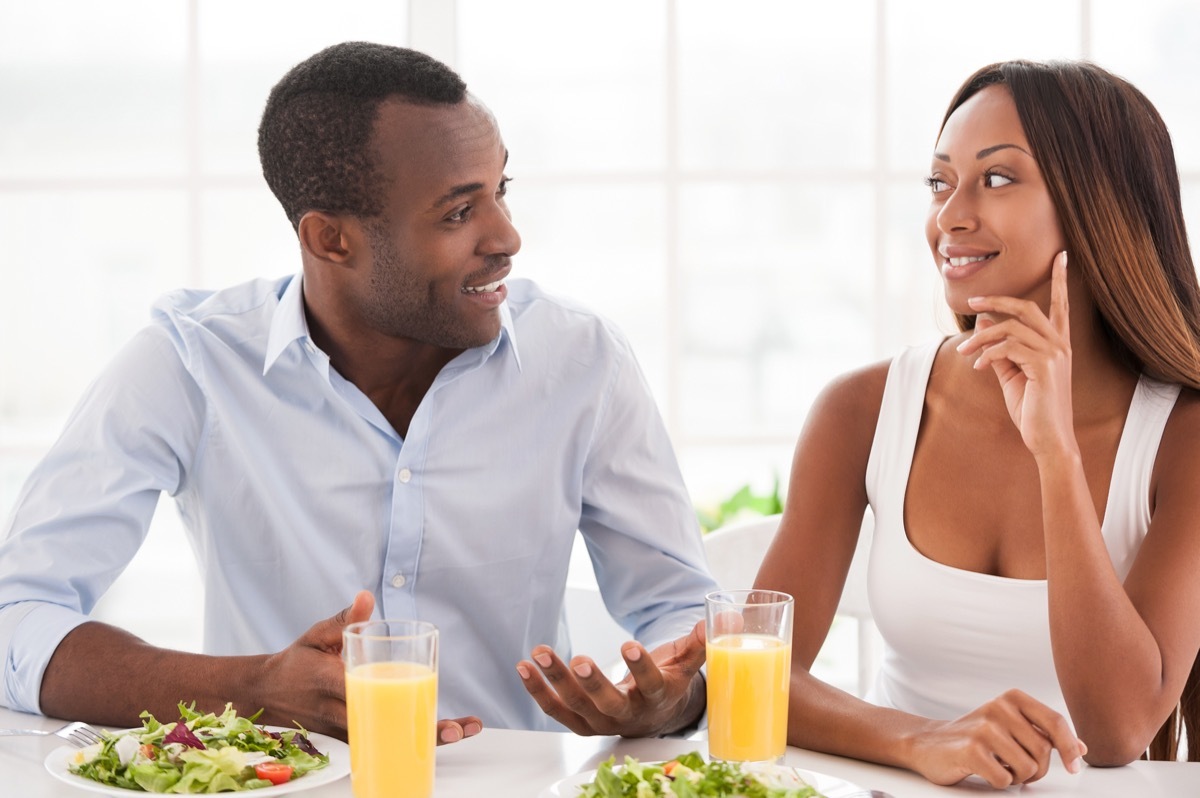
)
(749, 649)
(391, 707)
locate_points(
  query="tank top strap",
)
(1127, 513)
(900, 413)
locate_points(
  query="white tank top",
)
(954, 639)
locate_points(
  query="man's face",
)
(442, 247)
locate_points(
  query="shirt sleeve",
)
(85, 510)
(637, 521)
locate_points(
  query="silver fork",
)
(77, 734)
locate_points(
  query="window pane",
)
(913, 308)
(933, 46)
(87, 93)
(85, 296)
(239, 65)
(604, 246)
(244, 235)
(714, 473)
(576, 86)
(777, 300)
(771, 86)
(1154, 44)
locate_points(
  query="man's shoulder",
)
(201, 305)
(536, 311)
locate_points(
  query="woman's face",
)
(992, 227)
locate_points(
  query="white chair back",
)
(736, 551)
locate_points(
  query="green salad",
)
(198, 754)
(689, 776)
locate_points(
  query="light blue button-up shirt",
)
(296, 492)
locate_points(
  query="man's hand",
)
(307, 680)
(663, 692)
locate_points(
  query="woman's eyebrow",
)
(989, 150)
(985, 152)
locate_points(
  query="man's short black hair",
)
(315, 135)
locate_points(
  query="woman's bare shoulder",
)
(1181, 437)
(854, 396)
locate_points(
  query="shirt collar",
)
(507, 330)
(289, 324)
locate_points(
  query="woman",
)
(1034, 479)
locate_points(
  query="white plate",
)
(829, 786)
(58, 763)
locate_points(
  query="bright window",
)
(737, 185)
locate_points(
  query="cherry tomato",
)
(274, 772)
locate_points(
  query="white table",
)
(515, 764)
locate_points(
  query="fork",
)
(77, 734)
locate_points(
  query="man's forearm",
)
(105, 675)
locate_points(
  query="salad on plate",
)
(199, 753)
(690, 776)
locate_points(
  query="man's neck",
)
(394, 373)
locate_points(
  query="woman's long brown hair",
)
(1110, 168)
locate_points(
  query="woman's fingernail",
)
(1075, 765)
(975, 301)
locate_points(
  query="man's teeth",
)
(965, 261)
(483, 289)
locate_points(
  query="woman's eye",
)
(936, 184)
(996, 180)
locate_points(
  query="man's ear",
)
(329, 237)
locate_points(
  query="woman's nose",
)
(958, 213)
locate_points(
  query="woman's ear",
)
(328, 237)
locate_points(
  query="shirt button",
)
(405, 475)
(398, 580)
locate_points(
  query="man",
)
(398, 417)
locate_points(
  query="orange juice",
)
(748, 697)
(392, 721)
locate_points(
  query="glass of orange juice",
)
(749, 650)
(391, 707)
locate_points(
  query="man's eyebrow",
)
(985, 152)
(458, 191)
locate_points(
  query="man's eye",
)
(503, 189)
(460, 215)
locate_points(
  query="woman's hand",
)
(1030, 354)
(1006, 741)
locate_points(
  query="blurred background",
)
(737, 185)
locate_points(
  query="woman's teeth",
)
(965, 261)
(483, 289)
